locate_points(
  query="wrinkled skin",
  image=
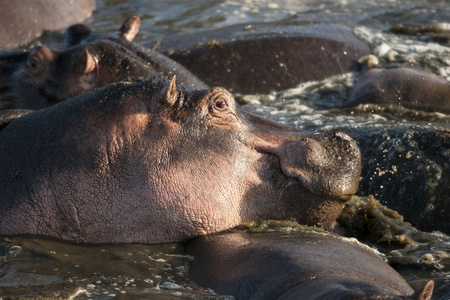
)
(44, 77)
(265, 57)
(149, 161)
(301, 265)
(411, 88)
(22, 21)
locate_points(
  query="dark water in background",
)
(32, 267)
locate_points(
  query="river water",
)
(46, 268)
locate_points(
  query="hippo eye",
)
(221, 104)
(34, 62)
(36, 66)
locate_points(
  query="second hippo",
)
(44, 76)
(415, 89)
(265, 57)
(305, 265)
(148, 161)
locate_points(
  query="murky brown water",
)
(47, 269)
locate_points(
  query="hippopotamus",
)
(302, 265)
(411, 88)
(23, 21)
(406, 167)
(43, 76)
(264, 57)
(150, 161)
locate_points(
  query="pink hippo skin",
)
(148, 161)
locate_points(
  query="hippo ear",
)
(83, 62)
(170, 92)
(91, 62)
(75, 34)
(130, 28)
(427, 291)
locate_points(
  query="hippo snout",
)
(325, 164)
(327, 167)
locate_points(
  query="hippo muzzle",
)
(326, 164)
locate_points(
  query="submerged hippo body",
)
(149, 161)
(23, 21)
(304, 265)
(407, 168)
(43, 77)
(263, 57)
(411, 88)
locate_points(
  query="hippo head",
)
(89, 60)
(150, 161)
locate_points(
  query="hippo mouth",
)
(326, 164)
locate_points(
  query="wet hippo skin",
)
(411, 88)
(406, 167)
(302, 265)
(23, 21)
(263, 57)
(147, 161)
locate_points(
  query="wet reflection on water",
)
(39, 266)
(31, 266)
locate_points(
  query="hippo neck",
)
(10, 62)
(155, 64)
